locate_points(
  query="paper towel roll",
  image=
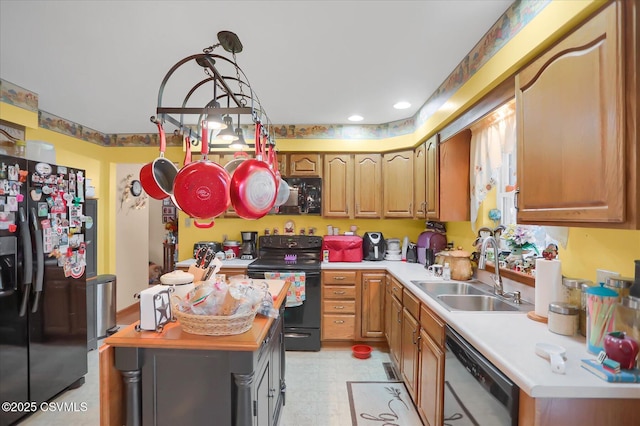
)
(548, 285)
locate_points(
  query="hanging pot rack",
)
(232, 89)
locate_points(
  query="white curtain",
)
(491, 138)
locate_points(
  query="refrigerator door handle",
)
(37, 236)
(27, 260)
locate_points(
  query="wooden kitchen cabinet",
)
(576, 109)
(409, 342)
(395, 331)
(397, 175)
(372, 313)
(352, 186)
(339, 305)
(304, 165)
(448, 177)
(420, 181)
(430, 402)
(388, 300)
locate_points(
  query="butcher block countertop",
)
(173, 337)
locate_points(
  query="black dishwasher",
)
(475, 388)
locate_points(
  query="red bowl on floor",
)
(362, 351)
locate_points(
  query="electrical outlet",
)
(602, 275)
(187, 222)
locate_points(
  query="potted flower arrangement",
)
(519, 238)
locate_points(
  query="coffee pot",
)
(248, 250)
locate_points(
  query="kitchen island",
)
(173, 377)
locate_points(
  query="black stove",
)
(287, 254)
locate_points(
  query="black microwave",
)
(305, 196)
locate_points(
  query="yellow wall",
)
(588, 249)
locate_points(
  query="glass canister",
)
(563, 318)
(573, 293)
(627, 317)
(620, 285)
(601, 303)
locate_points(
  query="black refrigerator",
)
(43, 308)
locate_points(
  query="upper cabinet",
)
(300, 165)
(448, 177)
(352, 186)
(577, 117)
(397, 173)
(420, 182)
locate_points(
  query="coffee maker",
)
(249, 249)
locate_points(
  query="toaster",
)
(155, 307)
(374, 246)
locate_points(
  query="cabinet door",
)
(372, 313)
(570, 106)
(337, 186)
(388, 305)
(430, 381)
(396, 331)
(368, 185)
(420, 182)
(263, 397)
(397, 172)
(432, 175)
(453, 170)
(304, 165)
(409, 358)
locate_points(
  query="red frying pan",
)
(253, 187)
(157, 177)
(201, 188)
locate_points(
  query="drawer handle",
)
(338, 307)
(339, 321)
(339, 278)
(339, 292)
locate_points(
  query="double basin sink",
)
(469, 296)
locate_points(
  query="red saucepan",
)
(187, 160)
(157, 177)
(253, 187)
(201, 188)
(238, 158)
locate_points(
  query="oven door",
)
(302, 323)
(474, 388)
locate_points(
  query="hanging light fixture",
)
(239, 144)
(214, 119)
(227, 134)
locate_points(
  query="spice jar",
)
(572, 290)
(563, 318)
(620, 285)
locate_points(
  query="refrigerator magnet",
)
(43, 209)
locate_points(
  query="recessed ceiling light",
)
(402, 105)
(355, 118)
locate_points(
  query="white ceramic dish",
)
(393, 257)
(554, 353)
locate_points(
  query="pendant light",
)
(239, 144)
(227, 134)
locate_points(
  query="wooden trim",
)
(501, 94)
(128, 315)
(513, 275)
(111, 388)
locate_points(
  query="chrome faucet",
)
(482, 262)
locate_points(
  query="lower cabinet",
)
(409, 342)
(395, 331)
(338, 305)
(431, 368)
(270, 385)
(372, 312)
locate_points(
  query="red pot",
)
(157, 177)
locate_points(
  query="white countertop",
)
(508, 339)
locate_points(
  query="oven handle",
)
(294, 335)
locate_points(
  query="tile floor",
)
(316, 389)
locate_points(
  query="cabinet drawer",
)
(396, 289)
(411, 302)
(339, 277)
(339, 306)
(339, 292)
(338, 327)
(433, 325)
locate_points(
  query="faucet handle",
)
(516, 297)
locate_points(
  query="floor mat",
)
(381, 403)
(455, 413)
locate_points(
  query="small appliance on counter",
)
(432, 240)
(342, 248)
(373, 246)
(249, 248)
(213, 245)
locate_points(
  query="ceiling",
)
(99, 63)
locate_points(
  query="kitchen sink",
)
(469, 296)
(475, 302)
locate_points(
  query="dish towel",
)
(296, 294)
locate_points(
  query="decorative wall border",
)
(519, 14)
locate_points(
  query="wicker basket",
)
(212, 325)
